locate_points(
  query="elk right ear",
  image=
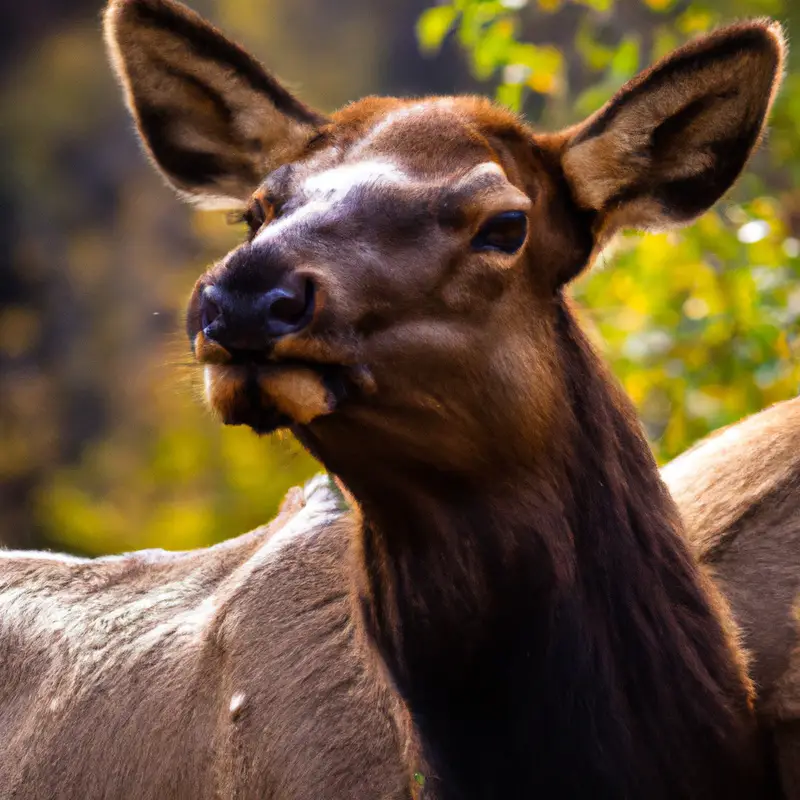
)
(214, 121)
(676, 137)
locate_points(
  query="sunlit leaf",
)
(664, 42)
(626, 60)
(597, 5)
(510, 95)
(597, 56)
(695, 20)
(433, 26)
(544, 83)
(492, 49)
(660, 5)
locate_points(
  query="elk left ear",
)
(675, 138)
(212, 119)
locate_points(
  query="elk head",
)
(398, 293)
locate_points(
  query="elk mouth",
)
(269, 395)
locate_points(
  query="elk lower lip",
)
(251, 407)
(334, 377)
(249, 410)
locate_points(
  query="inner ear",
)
(214, 121)
(676, 137)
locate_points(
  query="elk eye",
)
(260, 211)
(254, 217)
(504, 233)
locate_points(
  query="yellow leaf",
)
(782, 346)
(695, 20)
(433, 26)
(543, 83)
(659, 5)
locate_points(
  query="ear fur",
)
(675, 138)
(213, 120)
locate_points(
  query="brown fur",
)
(510, 609)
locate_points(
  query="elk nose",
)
(252, 321)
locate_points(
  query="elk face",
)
(402, 278)
(380, 281)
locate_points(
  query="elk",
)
(508, 609)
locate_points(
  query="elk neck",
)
(546, 624)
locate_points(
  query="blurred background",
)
(105, 445)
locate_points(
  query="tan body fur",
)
(192, 676)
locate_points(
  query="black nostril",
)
(287, 307)
(209, 309)
(290, 306)
(249, 322)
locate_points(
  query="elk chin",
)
(269, 397)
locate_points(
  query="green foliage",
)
(433, 26)
(700, 325)
(487, 31)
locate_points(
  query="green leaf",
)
(510, 95)
(626, 59)
(592, 99)
(475, 17)
(492, 49)
(660, 6)
(596, 55)
(433, 26)
(598, 5)
(538, 58)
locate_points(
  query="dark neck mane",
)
(550, 636)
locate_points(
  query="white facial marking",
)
(333, 185)
(325, 190)
(279, 226)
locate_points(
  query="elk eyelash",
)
(236, 218)
(246, 216)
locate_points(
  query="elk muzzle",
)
(237, 317)
(247, 324)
